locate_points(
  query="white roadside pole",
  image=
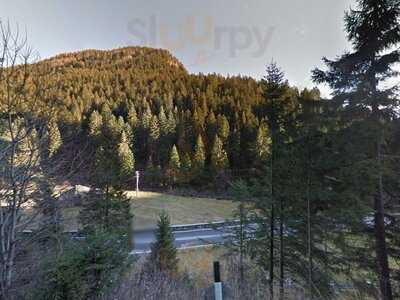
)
(137, 183)
(217, 282)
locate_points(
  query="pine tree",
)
(95, 124)
(126, 158)
(54, 138)
(121, 124)
(154, 130)
(108, 210)
(106, 172)
(165, 137)
(219, 158)
(163, 256)
(154, 136)
(142, 143)
(114, 159)
(129, 132)
(223, 128)
(163, 121)
(234, 146)
(171, 124)
(132, 118)
(199, 155)
(186, 169)
(174, 161)
(198, 122)
(106, 112)
(111, 128)
(358, 80)
(146, 117)
(262, 143)
(273, 89)
(174, 166)
(211, 128)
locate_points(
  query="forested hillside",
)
(315, 182)
(143, 102)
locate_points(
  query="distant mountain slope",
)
(126, 58)
(158, 104)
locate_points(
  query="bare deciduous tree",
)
(22, 125)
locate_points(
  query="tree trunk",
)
(309, 232)
(309, 242)
(241, 254)
(380, 234)
(281, 260)
(272, 222)
(379, 216)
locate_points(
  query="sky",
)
(229, 37)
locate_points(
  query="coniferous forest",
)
(144, 103)
(314, 180)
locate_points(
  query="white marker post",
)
(217, 282)
(137, 183)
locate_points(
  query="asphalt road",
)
(184, 239)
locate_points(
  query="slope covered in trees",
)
(143, 101)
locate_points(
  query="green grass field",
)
(182, 210)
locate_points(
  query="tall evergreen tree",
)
(142, 142)
(95, 124)
(154, 136)
(222, 128)
(307, 163)
(171, 124)
(274, 85)
(108, 212)
(126, 158)
(165, 137)
(154, 129)
(198, 122)
(163, 256)
(107, 163)
(234, 148)
(211, 129)
(54, 138)
(262, 143)
(199, 155)
(174, 161)
(163, 121)
(132, 118)
(146, 116)
(219, 158)
(357, 79)
(174, 165)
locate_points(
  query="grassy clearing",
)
(198, 263)
(182, 210)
